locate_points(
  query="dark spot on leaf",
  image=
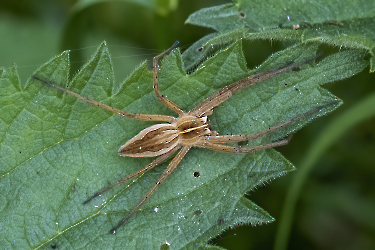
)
(242, 143)
(242, 14)
(200, 49)
(198, 212)
(220, 221)
(196, 174)
(164, 247)
(250, 175)
(53, 246)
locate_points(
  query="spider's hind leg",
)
(172, 165)
(230, 149)
(215, 142)
(153, 164)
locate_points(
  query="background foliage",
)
(335, 209)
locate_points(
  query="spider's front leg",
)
(205, 108)
(137, 116)
(161, 97)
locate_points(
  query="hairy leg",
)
(226, 92)
(164, 100)
(153, 164)
(172, 165)
(237, 138)
(238, 150)
(142, 117)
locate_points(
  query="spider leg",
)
(142, 117)
(230, 149)
(172, 165)
(226, 92)
(237, 138)
(161, 97)
(153, 164)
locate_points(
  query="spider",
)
(190, 129)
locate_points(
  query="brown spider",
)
(190, 129)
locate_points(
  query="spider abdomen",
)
(152, 141)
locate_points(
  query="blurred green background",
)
(336, 209)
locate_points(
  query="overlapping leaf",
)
(340, 23)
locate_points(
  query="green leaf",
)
(341, 23)
(56, 150)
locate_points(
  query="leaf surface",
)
(56, 150)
